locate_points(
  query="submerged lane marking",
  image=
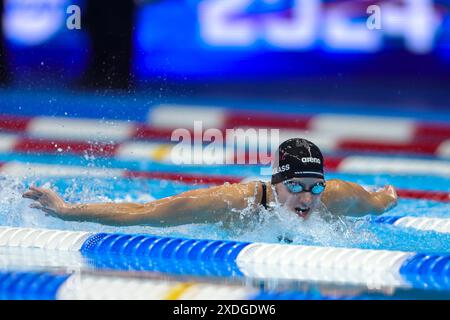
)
(176, 292)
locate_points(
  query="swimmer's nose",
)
(306, 198)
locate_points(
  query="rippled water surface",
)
(264, 227)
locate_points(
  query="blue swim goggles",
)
(297, 187)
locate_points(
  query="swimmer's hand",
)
(46, 200)
(391, 196)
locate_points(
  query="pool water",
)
(346, 232)
(268, 227)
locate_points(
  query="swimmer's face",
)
(302, 203)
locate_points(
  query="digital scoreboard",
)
(217, 38)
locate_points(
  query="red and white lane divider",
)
(151, 151)
(31, 170)
(67, 128)
(163, 153)
(24, 170)
(350, 126)
(329, 132)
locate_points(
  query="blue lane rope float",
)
(55, 286)
(385, 219)
(152, 253)
(163, 247)
(250, 260)
(30, 285)
(49, 286)
(441, 225)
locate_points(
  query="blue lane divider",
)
(218, 257)
(30, 285)
(427, 271)
(163, 247)
(229, 259)
(386, 219)
(227, 269)
(315, 295)
(163, 254)
(440, 225)
(45, 286)
(287, 295)
(48, 286)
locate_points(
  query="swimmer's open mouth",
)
(302, 212)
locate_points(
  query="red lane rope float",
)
(419, 147)
(332, 163)
(62, 146)
(181, 177)
(427, 139)
(266, 121)
(426, 195)
(432, 130)
(143, 132)
(109, 149)
(14, 123)
(30, 145)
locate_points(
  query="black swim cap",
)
(297, 158)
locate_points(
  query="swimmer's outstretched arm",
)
(351, 199)
(195, 206)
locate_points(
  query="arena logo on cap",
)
(311, 160)
(238, 146)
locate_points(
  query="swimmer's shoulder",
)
(334, 184)
(257, 190)
(242, 187)
(334, 188)
(241, 190)
(250, 195)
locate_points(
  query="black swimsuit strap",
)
(264, 195)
